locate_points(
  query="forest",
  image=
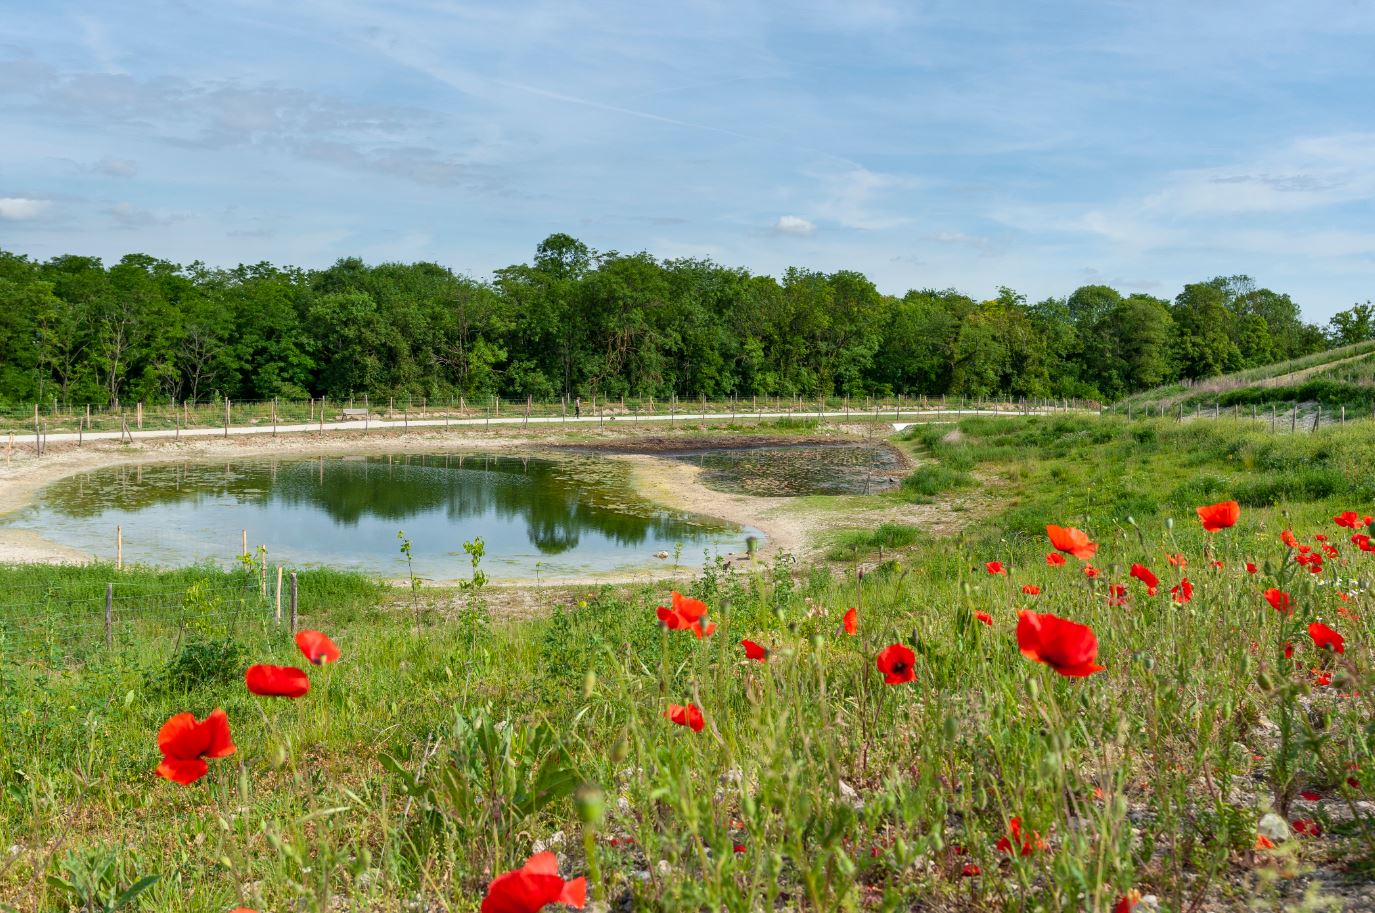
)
(575, 321)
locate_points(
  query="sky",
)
(963, 144)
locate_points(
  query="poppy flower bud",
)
(589, 683)
(816, 641)
(1246, 664)
(1169, 523)
(620, 749)
(1131, 521)
(1265, 681)
(276, 756)
(951, 728)
(1033, 688)
(966, 589)
(590, 804)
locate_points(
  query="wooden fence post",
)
(109, 615)
(279, 596)
(226, 416)
(293, 602)
(119, 548)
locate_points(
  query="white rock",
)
(552, 842)
(1273, 827)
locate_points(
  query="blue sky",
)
(928, 144)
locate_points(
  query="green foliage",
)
(932, 479)
(581, 322)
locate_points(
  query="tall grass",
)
(426, 762)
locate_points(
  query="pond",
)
(547, 516)
(799, 469)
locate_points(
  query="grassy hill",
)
(1338, 377)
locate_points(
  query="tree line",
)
(574, 321)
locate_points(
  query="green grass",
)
(433, 757)
(851, 544)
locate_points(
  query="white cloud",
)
(794, 225)
(22, 209)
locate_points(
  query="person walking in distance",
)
(577, 407)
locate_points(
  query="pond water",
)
(545, 516)
(799, 469)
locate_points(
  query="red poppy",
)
(1177, 560)
(851, 622)
(1217, 565)
(985, 618)
(1264, 843)
(896, 663)
(1031, 589)
(739, 848)
(1251, 567)
(1306, 827)
(688, 715)
(1183, 591)
(277, 681)
(1117, 595)
(1127, 902)
(1361, 541)
(1330, 551)
(1071, 541)
(1348, 518)
(970, 870)
(317, 648)
(754, 651)
(1017, 839)
(1289, 538)
(1322, 679)
(995, 567)
(1143, 573)
(1055, 559)
(1310, 795)
(532, 887)
(1320, 537)
(686, 615)
(1324, 638)
(1288, 650)
(1066, 646)
(1219, 516)
(1279, 600)
(185, 743)
(1090, 571)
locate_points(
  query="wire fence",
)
(32, 426)
(1291, 417)
(74, 619)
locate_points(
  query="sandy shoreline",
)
(665, 481)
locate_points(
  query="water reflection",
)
(569, 514)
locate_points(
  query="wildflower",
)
(686, 614)
(1117, 595)
(1127, 902)
(1324, 638)
(995, 567)
(1279, 600)
(688, 715)
(1322, 679)
(1251, 567)
(1307, 827)
(895, 662)
(1264, 843)
(1055, 559)
(1090, 571)
(532, 887)
(970, 870)
(1015, 839)
(1218, 516)
(186, 742)
(1289, 538)
(1066, 646)
(1310, 795)
(851, 622)
(1071, 541)
(1217, 565)
(276, 681)
(754, 651)
(1288, 650)
(985, 618)
(1182, 592)
(1177, 560)
(318, 648)
(738, 848)
(1347, 518)
(1143, 573)
(1031, 589)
